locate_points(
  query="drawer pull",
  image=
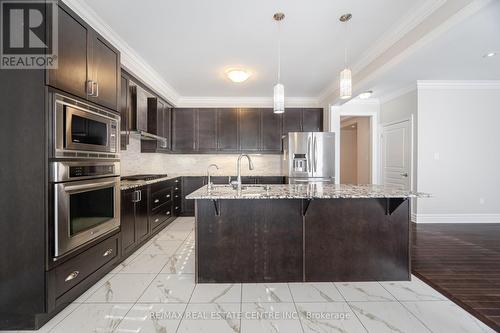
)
(176, 188)
(157, 200)
(168, 213)
(177, 180)
(156, 220)
(176, 207)
(72, 276)
(107, 253)
(176, 196)
(168, 195)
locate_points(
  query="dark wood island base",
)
(295, 240)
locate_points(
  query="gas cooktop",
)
(144, 177)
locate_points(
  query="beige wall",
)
(348, 156)
(134, 162)
(363, 153)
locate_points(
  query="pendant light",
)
(279, 89)
(346, 74)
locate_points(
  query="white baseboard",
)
(456, 218)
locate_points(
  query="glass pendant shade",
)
(346, 84)
(279, 98)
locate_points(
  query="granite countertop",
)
(131, 184)
(303, 191)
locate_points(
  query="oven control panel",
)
(91, 170)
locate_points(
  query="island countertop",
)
(303, 191)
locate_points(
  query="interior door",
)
(396, 154)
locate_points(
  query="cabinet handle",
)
(156, 220)
(107, 253)
(72, 276)
(176, 188)
(168, 213)
(96, 89)
(176, 196)
(176, 207)
(168, 195)
(157, 200)
(90, 88)
(177, 180)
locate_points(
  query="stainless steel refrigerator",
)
(309, 157)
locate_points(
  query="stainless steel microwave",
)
(84, 131)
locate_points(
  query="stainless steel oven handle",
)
(88, 186)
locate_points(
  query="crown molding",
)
(459, 85)
(397, 93)
(244, 102)
(368, 101)
(130, 59)
(411, 21)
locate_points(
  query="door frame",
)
(411, 121)
(337, 113)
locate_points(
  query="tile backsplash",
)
(134, 162)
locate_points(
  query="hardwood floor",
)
(462, 261)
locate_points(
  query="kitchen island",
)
(302, 232)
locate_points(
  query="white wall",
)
(459, 152)
(134, 162)
(401, 108)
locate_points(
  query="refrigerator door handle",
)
(308, 154)
(315, 145)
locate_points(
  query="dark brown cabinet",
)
(88, 66)
(189, 185)
(158, 123)
(183, 130)
(249, 129)
(206, 129)
(271, 124)
(312, 120)
(292, 120)
(227, 129)
(71, 73)
(124, 112)
(134, 218)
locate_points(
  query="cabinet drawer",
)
(159, 215)
(161, 197)
(75, 270)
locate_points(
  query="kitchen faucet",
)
(209, 185)
(237, 184)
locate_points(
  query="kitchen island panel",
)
(249, 241)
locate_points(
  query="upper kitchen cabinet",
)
(71, 73)
(271, 131)
(227, 128)
(158, 123)
(250, 129)
(124, 112)
(206, 129)
(183, 130)
(312, 120)
(104, 73)
(292, 120)
(88, 66)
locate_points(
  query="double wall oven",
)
(84, 174)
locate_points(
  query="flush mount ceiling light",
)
(490, 54)
(366, 94)
(279, 89)
(346, 74)
(237, 75)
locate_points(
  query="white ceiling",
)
(191, 42)
(457, 54)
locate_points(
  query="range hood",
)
(138, 115)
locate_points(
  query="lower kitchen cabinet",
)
(134, 218)
(189, 185)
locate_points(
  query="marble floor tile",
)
(334, 317)
(174, 235)
(56, 319)
(270, 317)
(187, 248)
(266, 293)
(216, 293)
(124, 263)
(211, 318)
(152, 318)
(446, 317)
(93, 288)
(183, 225)
(146, 264)
(364, 291)
(180, 264)
(169, 288)
(315, 292)
(122, 288)
(385, 317)
(162, 247)
(93, 318)
(414, 290)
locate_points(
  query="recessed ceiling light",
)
(366, 94)
(489, 55)
(237, 75)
